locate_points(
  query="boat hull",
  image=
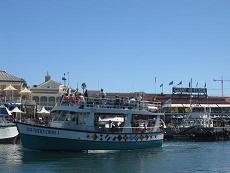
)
(47, 138)
(8, 134)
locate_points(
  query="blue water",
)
(173, 157)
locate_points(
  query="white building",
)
(47, 93)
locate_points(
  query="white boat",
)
(96, 124)
(8, 131)
(196, 126)
(198, 119)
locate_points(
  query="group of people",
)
(76, 98)
(128, 102)
(117, 102)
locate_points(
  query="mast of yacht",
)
(190, 100)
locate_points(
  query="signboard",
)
(176, 90)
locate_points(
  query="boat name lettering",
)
(42, 131)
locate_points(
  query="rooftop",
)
(6, 77)
(50, 84)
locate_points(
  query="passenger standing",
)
(77, 98)
(139, 99)
(132, 103)
(102, 93)
(86, 93)
(126, 102)
(102, 100)
(86, 97)
(82, 100)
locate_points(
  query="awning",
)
(198, 105)
(152, 107)
(4, 111)
(25, 91)
(16, 110)
(43, 111)
(8, 111)
(10, 88)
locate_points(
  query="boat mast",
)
(190, 101)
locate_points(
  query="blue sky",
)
(118, 45)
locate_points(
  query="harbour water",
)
(173, 157)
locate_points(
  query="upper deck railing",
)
(118, 103)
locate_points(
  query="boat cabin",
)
(105, 120)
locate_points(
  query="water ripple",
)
(173, 157)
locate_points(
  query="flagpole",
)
(162, 89)
(171, 83)
(190, 95)
(155, 81)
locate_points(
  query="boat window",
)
(82, 118)
(1, 120)
(62, 116)
(143, 123)
(72, 116)
(109, 122)
(55, 115)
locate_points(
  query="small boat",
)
(94, 124)
(200, 119)
(196, 126)
(8, 130)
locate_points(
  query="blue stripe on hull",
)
(47, 143)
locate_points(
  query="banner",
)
(176, 90)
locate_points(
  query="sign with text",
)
(176, 90)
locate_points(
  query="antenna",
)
(68, 78)
(222, 84)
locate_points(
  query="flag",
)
(170, 83)
(63, 78)
(205, 85)
(155, 80)
(161, 85)
(189, 85)
(180, 83)
(196, 84)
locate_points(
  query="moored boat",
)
(196, 126)
(95, 124)
(8, 130)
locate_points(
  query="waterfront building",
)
(178, 104)
(47, 93)
(10, 87)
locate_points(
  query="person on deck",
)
(86, 94)
(102, 93)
